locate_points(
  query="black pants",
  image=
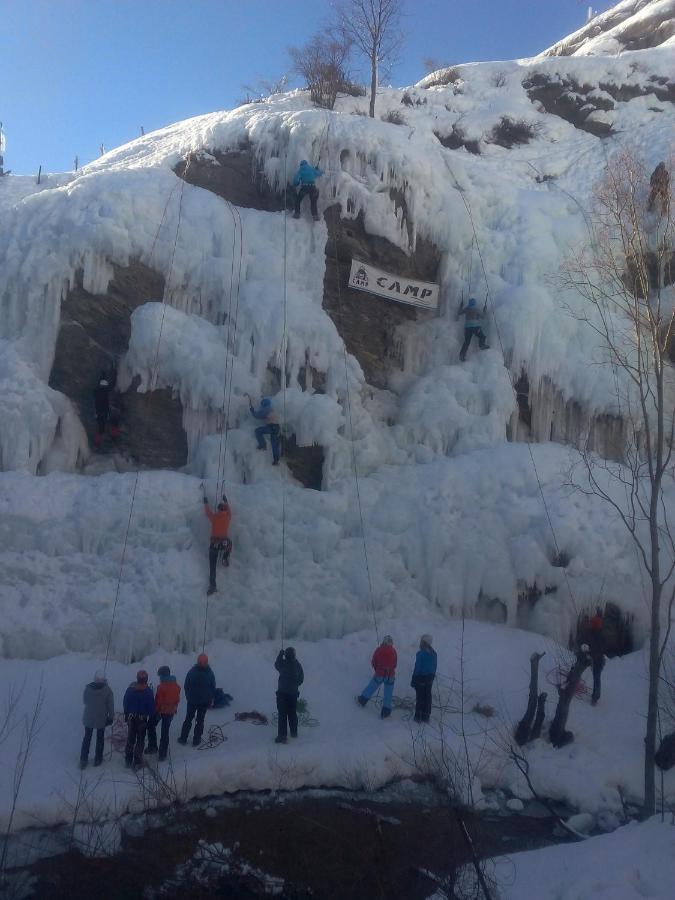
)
(136, 728)
(313, 192)
(468, 334)
(166, 719)
(224, 544)
(200, 711)
(422, 687)
(86, 744)
(288, 714)
(598, 666)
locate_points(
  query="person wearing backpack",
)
(99, 711)
(167, 697)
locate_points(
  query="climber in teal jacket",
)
(304, 180)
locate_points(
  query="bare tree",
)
(374, 27)
(622, 277)
(322, 62)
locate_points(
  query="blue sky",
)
(78, 73)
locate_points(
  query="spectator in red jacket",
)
(167, 698)
(384, 668)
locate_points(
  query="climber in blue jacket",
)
(423, 677)
(271, 427)
(304, 180)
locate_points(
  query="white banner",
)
(394, 287)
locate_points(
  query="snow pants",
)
(374, 684)
(214, 549)
(86, 744)
(598, 666)
(468, 334)
(136, 728)
(273, 431)
(192, 710)
(313, 192)
(166, 719)
(288, 714)
(422, 685)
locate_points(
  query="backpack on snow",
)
(221, 699)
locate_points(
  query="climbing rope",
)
(353, 449)
(488, 298)
(153, 381)
(284, 361)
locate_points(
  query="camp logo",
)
(360, 278)
(364, 277)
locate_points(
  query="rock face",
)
(94, 333)
(368, 324)
(235, 176)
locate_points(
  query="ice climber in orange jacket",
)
(167, 697)
(220, 525)
(384, 667)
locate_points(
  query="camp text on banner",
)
(363, 277)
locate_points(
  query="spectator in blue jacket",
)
(139, 708)
(265, 412)
(423, 677)
(304, 180)
(473, 325)
(200, 687)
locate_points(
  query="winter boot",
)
(151, 750)
(361, 700)
(386, 712)
(83, 763)
(211, 590)
(182, 740)
(98, 762)
(296, 215)
(280, 740)
(161, 757)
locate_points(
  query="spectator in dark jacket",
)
(384, 672)
(99, 711)
(139, 707)
(423, 677)
(167, 698)
(291, 677)
(596, 646)
(200, 686)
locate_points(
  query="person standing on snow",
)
(304, 181)
(106, 384)
(200, 687)
(99, 711)
(220, 526)
(384, 667)
(596, 648)
(139, 708)
(167, 697)
(473, 325)
(271, 427)
(423, 677)
(291, 677)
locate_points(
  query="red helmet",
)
(141, 676)
(202, 660)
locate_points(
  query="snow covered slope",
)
(453, 518)
(630, 25)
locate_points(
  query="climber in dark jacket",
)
(99, 711)
(423, 678)
(200, 687)
(596, 647)
(106, 384)
(291, 677)
(304, 180)
(473, 325)
(139, 708)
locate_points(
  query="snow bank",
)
(633, 862)
(349, 747)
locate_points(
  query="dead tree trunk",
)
(524, 727)
(557, 733)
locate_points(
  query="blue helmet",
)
(472, 301)
(265, 402)
(303, 162)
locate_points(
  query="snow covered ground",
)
(635, 861)
(349, 746)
